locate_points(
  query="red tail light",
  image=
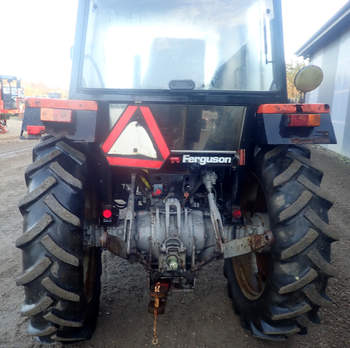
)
(237, 214)
(35, 130)
(304, 120)
(107, 213)
(56, 115)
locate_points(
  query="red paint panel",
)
(241, 154)
(9, 111)
(87, 105)
(277, 109)
(316, 108)
(292, 108)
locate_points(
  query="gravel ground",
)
(202, 318)
(14, 126)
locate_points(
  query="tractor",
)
(177, 146)
(11, 99)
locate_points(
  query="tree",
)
(291, 69)
(33, 89)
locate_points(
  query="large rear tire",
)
(61, 278)
(293, 274)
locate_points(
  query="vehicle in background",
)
(11, 99)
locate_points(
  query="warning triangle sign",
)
(136, 141)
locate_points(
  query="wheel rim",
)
(251, 274)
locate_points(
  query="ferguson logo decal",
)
(203, 160)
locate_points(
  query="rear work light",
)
(56, 115)
(303, 120)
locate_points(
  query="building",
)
(329, 48)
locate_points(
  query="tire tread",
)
(286, 175)
(73, 153)
(319, 261)
(34, 271)
(34, 309)
(300, 245)
(66, 176)
(325, 228)
(31, 197)
(292, 210)
(34, 231)
(59, 252)
(42, 162)
(299, 283)
(315, 297)
(53, 318)
(57, 208)
(56, 290)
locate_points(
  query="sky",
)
(37, 35)
(303, 18)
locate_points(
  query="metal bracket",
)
(246, 245)
(110, 238)
(130, 215)
(209, 180)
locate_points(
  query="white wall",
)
(334, 59)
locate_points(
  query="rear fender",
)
(80, 127)
(271, 125)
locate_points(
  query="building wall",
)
(334, 59)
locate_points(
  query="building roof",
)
(327, 33)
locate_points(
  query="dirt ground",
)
(202, 318)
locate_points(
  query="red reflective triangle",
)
(154, 130)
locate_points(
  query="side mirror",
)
(308, 78)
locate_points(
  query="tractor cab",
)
(202, 67)
(10, 95)
(179, 50)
